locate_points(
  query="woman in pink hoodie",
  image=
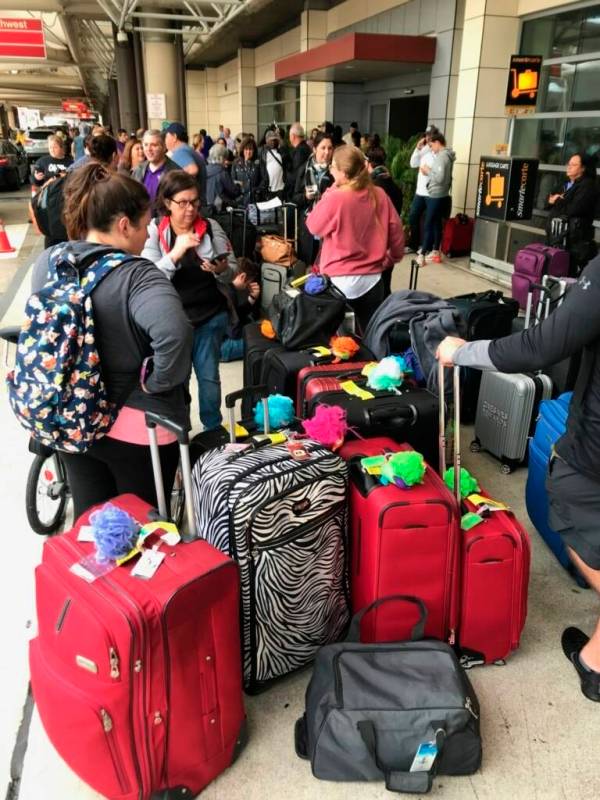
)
(360, 232)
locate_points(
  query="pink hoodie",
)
(355, 239)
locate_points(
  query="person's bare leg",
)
(591, 652)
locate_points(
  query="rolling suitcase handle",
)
(284, 208)
(442, 439)
(248, 391)
(244, 214)
(152, 421)
(414, 275)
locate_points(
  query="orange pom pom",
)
(267, 329)
(343, 347)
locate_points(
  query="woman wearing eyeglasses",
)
(197, 257)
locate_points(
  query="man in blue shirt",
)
(186, 157)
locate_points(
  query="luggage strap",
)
(399, 780)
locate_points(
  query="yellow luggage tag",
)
(300, 281)
(273, 438)
(319, 350)
(353, 389)
(493, 505)
(166, 531)
(368, 368)
(240, 431)
(372, 465)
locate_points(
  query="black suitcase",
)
(409, 416)
(239, 230)
(487, 315)
(255, 347)
(280, 367)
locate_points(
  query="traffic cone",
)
(5, 246)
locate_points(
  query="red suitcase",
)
(315, 379)
(495, 559)
(457, 236)
(403, 541)
(138, 682)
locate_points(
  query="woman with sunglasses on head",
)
(197, 257)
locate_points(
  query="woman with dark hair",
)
(196, 256)
(573, 208)
(143, 337)
(313, 180)
(132, 156)
(359, 231)
(249, 174)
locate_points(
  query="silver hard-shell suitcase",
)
(508, 406)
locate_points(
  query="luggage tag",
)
(424, 757)
(300, 281)
(351, 388)
(491, 505)
(240, 431)
(154, 533)
(320, 352)
(262, 439)
(148, 564)
(470, 520)
(372, 464)
(89, 568)
(85, 534)
(298, 451)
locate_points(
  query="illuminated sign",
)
(506, 188)
(523, 83)
(22, 38)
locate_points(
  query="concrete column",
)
(316, 97)
(129, 117)
(163, 74)
(490, 37)
(247, 91)
(112, 104)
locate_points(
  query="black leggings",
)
(111, 467)
(365, 306)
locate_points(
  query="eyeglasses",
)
(185, 203)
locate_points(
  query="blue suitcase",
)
(550, 426)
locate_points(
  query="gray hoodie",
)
(440, 177)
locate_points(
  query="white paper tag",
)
(424, 757)
(86, 534)
(147, 565)
(82, 572)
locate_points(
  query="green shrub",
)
(401, 171)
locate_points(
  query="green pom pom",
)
(468, 484)
(409, 466)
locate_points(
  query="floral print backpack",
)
(56, 389)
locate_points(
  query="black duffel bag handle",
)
(399, 780)
(417, 633)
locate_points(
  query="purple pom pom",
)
(315, 284)
(114, 532)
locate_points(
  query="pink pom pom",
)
(328, 426)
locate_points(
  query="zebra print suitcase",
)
(284, 521)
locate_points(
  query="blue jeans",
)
(206, 351)
(232, 349)
(435, 207)
(417, 210)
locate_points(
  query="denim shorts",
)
(575, 510)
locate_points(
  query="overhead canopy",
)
(358, 57)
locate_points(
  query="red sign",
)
(22, 38)
(75, 107)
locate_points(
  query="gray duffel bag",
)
(397, 711)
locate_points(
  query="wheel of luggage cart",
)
(475, 446)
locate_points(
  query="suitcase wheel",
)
(500, 663)
(506, 469)
(475, 446)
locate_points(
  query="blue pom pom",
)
(281, 412)
(114, 532)
(315, 284)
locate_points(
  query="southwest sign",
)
(22, 38)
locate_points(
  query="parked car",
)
(14, 166)
(36, 144)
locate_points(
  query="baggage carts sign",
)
(523, 84)
(22, 38)
(506, 188)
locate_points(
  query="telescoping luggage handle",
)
(417, 633)
(442, 437)
(260, 390)
(152, 421)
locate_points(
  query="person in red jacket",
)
(360, 232)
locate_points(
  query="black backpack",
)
(47, 206)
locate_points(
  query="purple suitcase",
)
(531, 264)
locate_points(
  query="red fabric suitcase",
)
(403, 541)
(457, 236)
(495, 559)
(315, 379)
(138, 682)
(494, 569)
